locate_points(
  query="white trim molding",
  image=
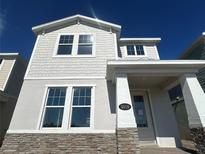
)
(26, 131)
(66, 78)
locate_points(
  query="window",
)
(139, 49)
(65, 45)
(1, 61)
(81, 105)
(135, 50)
(85, 44)
(140, 112)
(175, 93)
(54, 107)
(130, 50)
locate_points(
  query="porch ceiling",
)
(141, 82)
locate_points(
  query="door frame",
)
(151, 108)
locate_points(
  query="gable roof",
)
(62, 21)
(189, 49)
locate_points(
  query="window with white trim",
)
(137, 50)
(85, 45)
(81, 107)
(54, 107)
(65, 45)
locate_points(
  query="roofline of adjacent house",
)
(153, 40)
(9, 54)
(188, 50)
(41, 27)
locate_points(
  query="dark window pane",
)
(85, 49)
(64, 49)
(51, 92)
(57, 92)
(66, 39)
(53, 117)
(88, 91)
(80, 117)
(140, 113)
(88, 101)
(75, 100)
(76, 91)
(130, 50)
(61, 101)
(85, 39)
(82, 101)
(175, 93)
(1, 61)
(56, 97)
(50, 101)
(139, 49)
(82, 91)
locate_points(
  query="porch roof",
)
(154, 67)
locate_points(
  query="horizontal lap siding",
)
(151, 50)
(44, 65)
(4, 71)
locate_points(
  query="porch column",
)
(127, 134)
(194, 98)
(125, 118)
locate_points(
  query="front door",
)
(143, 117)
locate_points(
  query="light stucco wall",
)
(28, 108)
(44, 65)
(164, 119)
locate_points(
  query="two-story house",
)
(197, 51)
(12, 70)
(89, 90)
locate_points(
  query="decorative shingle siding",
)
(198, 52)
(44, 65)
(5, 70)
(152, 53)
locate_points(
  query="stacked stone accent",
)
(198, 135)
(128, 141)
(60, 143)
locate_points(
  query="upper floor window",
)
(135, 50)
(65, 45)
(85, 44)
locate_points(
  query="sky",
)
(178, 22)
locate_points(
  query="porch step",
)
(157, 150)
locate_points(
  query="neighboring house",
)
(88, 90)
(12, 70)
(197, 51)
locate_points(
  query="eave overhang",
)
(78, 17)
(155, 68)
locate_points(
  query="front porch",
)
(147, 84)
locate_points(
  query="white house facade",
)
(87, 89)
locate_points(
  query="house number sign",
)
(125, 106)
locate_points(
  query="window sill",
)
(74, 56)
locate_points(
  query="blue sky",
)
(177, 22)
